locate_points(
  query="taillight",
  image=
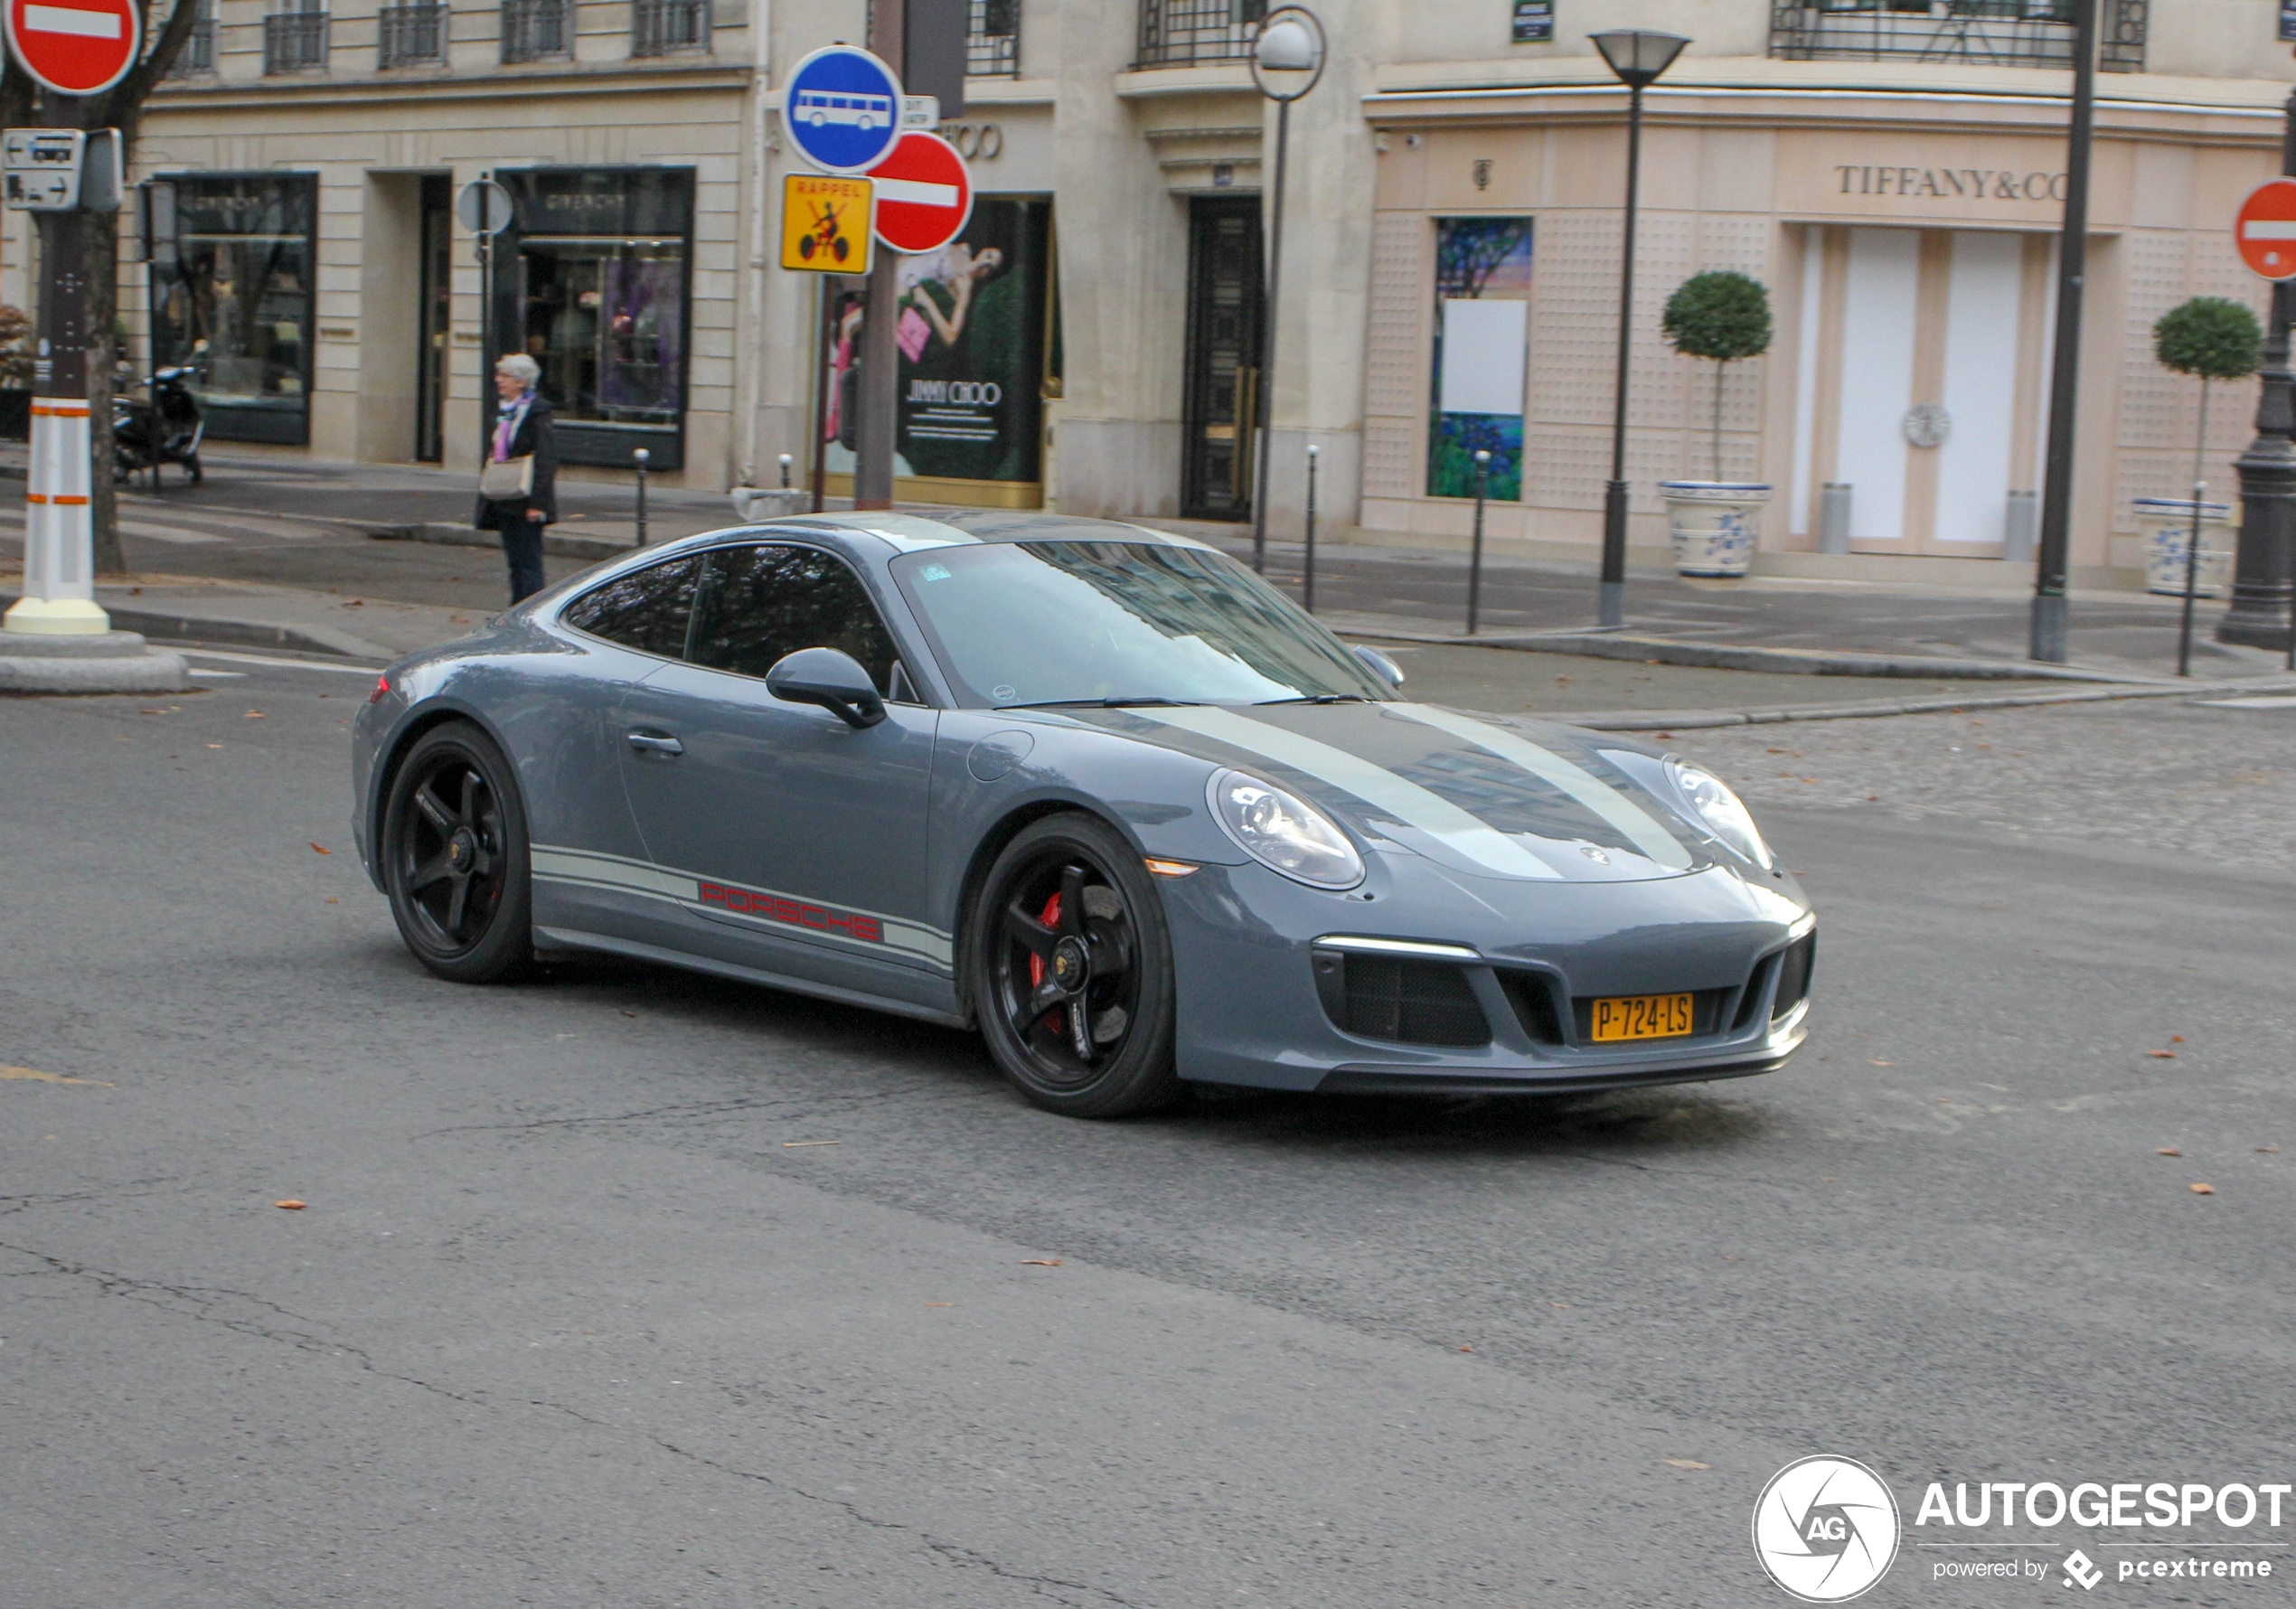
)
(381, 691)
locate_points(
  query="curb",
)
(592, 547)
(1637, 720)
(240, 634)
(1718, 656)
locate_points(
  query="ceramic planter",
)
(1714, 524)
(2167, 524)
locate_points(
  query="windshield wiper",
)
(1318, 698)
(1115, 700)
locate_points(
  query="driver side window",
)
(757, 603)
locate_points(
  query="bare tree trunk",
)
(101, 251)
(1718, 370)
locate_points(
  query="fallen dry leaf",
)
(794, 1145)
(2168, 1150)
(332, 900)
(322, 849)
(2176, 1038)
(2268, 1150)
(29, 1075)
(940, 1304)
(2162, 1055)
(253, 715)
(1877, 1062)
(1684, 1463)
(2202, 1189)
(215, 746)
(1039, 1262)
(290, 1204)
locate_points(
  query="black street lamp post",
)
(2260, 587)
(1637, 56)
(1287, 58)
(2048, 622)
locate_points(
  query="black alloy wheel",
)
(454, 857)
(1071, 968)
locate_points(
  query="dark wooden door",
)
(1224, 299)
(436, 323)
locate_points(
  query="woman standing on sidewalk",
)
(518, 484)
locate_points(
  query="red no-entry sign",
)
(75, 47)
(923, 193)
(2266, 230)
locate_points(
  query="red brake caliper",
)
(1057, 1019)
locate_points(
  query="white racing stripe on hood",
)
(1406, 801)
(1645, 833)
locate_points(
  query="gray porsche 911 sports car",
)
(1097, 790)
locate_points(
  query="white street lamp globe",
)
(1287, 55)
(1285, 44)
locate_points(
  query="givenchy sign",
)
(1976, 184)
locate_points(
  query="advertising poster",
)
(1483, 304)
(971, 334)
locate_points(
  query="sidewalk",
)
(373, 559)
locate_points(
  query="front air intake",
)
(1406, 1001)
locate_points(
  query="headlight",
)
(1722, 812)
(1285, 832)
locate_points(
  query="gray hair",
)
(521, 367)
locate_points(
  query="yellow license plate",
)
(1643, 1017)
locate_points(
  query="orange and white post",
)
(59, 553)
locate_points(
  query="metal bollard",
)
(1307, 574)
(641, 455)
(784, 472)
(1475, 565)
(2192, 581)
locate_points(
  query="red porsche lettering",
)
(793, 913)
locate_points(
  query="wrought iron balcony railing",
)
(295, 42)
(537, 30)
(410, 35)
(1193, 33)
(658, 27)
(992, 40)
(1986, 33)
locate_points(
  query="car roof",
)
(961, 527)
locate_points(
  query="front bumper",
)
(1257, 1007)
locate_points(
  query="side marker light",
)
(1169, 868)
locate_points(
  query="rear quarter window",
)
(646, 609)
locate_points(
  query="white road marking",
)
(292, 665)
(2262, 701)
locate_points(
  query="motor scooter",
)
(166, 429)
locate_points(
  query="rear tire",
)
(1071, 971)
(454, 857)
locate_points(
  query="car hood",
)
(1481, 797)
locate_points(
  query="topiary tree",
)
(1721, 317)
(2214, 338)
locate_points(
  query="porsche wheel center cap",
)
(461, 849)
(1071, 963)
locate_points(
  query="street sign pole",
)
(2263, 596)
(877, 394)
(483, 208)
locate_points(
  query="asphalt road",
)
(626, 1288)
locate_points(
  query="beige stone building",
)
(1892, 169)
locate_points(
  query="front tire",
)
(1072, 969)
(454, 857)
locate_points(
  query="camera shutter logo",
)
(1826, 1528)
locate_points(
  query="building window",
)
(661, 27)
(410, 35)
(1190, 32)
(992, 39)
(295, 41)
(592, 282)
(1988, 33)
(537, 30)
(198, 54)
(236, 307)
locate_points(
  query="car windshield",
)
(1117, 622)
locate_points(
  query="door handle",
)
(648, 743)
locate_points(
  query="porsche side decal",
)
(1406, 801)
(1646, 834)
(865, 931)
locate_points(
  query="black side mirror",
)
(1379, 665)
(830, 678)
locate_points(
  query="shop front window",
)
(236, 306)
(596, 272)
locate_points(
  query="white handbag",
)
(504, 480)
